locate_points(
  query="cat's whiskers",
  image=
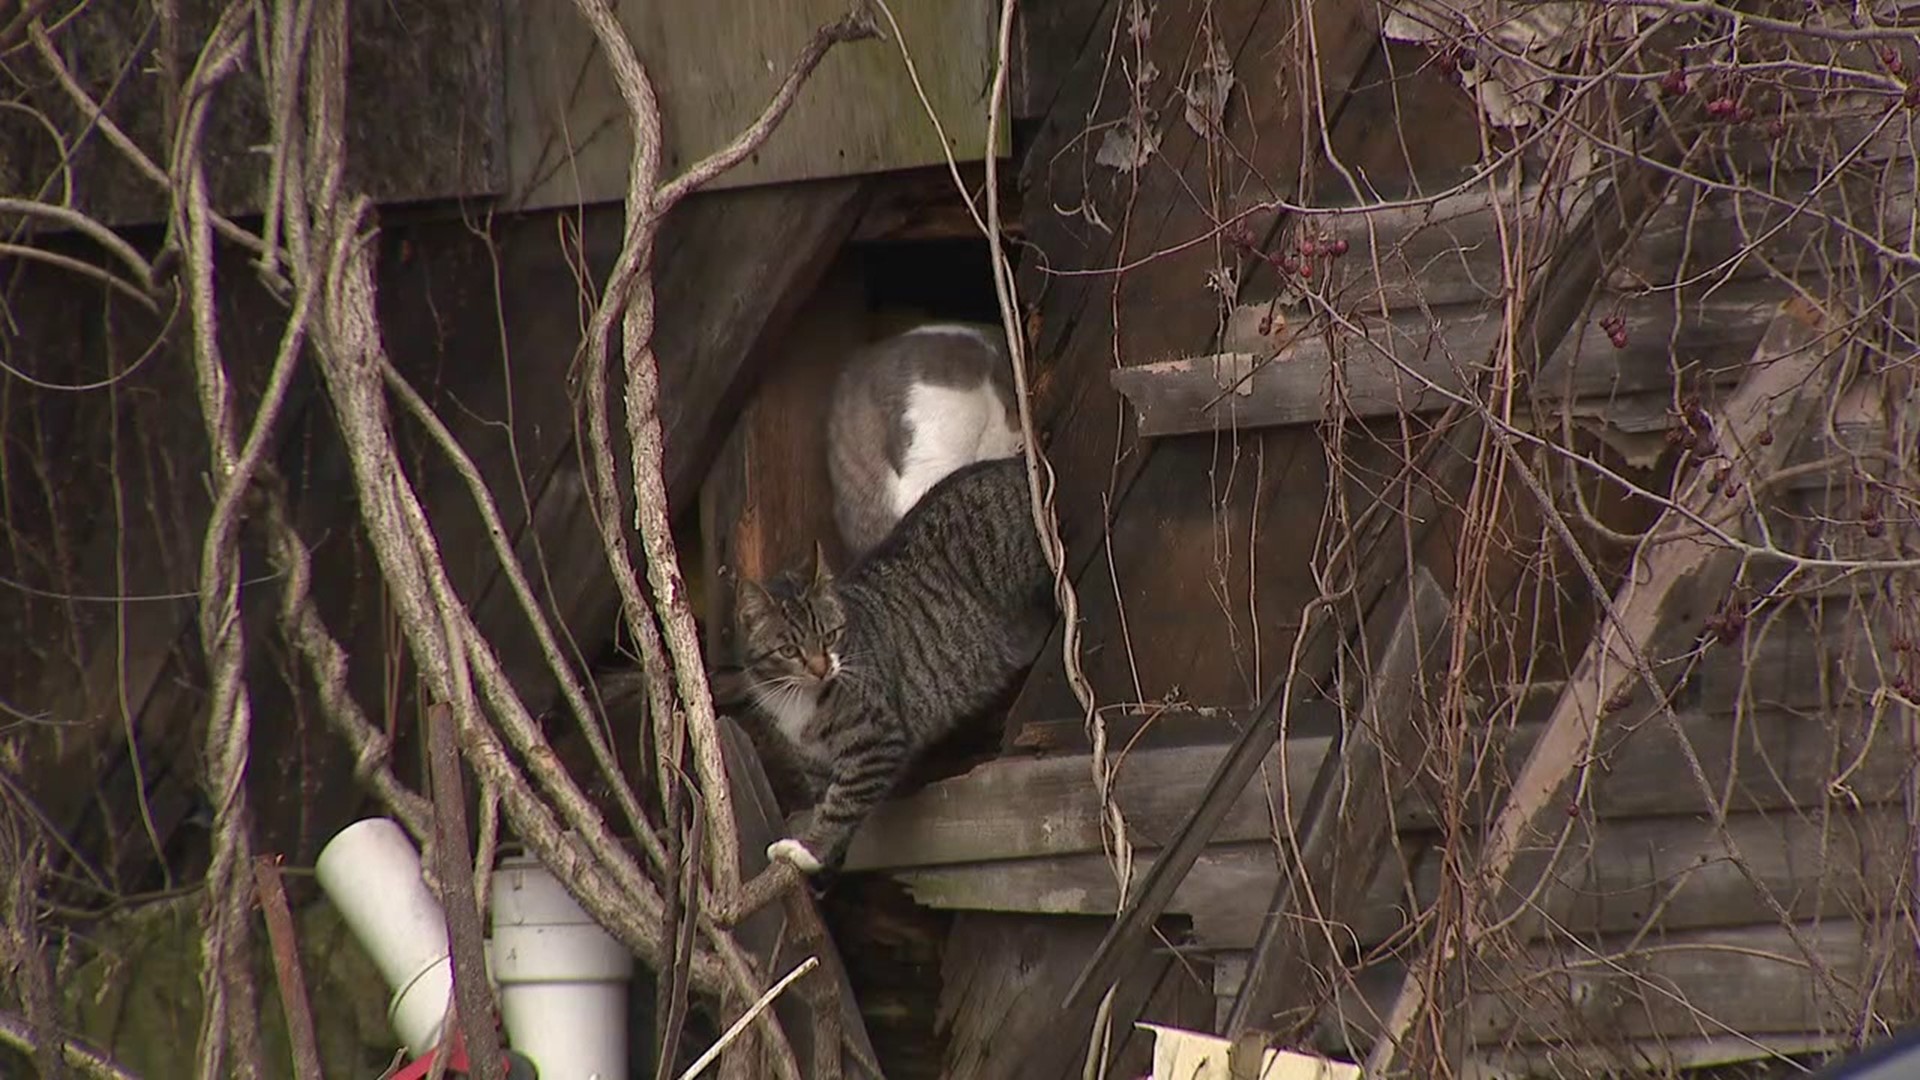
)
(782, 690)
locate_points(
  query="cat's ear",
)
(821, 574)
(751, 601)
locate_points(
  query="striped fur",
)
(864, 672)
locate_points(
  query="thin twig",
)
(733, 1031)
(16, 1032)
(92, 229)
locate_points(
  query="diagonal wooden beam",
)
(1346, 825)
(1675, 584)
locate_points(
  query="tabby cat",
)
(907, 411)
(863, 672)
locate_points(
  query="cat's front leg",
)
(862, 777)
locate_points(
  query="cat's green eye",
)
(790, 652)
(833, 635)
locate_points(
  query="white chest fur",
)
(792, 713)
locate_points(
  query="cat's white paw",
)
(793, 851)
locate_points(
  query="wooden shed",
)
(1479, 436)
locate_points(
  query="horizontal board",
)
(420, 124)
(1449, 251)
(1652, 1057)
(1014, 809)
(1614, 877)
(1751, 981)
(715, 67)
(1414, 362)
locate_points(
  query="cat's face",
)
(789, 633)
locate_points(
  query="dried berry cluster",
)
(1727, 625)
(1241, 237)
(1694, 432)
(1904, 653)
(1616, 328)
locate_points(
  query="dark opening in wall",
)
(939, 279)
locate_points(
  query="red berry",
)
(1777, 129)
(1306, 268)
(1307, 246)
(1766, 438)
(1674, 83)
(1337, 248)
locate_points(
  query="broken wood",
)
(1418, 363)
(1346, 822)
(1678, 580)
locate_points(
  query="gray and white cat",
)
(863, 672)
(908, 410)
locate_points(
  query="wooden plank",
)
(1420, 363)
(1840, 861)
(1447, 252)
(1346, 822)
(1678, 581)
(1046, 39)
(1664, 1056)
(923, 204)
(1744, 981)
(715, 68)
(415, 129)
(1768, 759)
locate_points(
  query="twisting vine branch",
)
(226, 977)
(628, 299)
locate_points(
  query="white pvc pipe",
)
(563, 980)
(371, 873)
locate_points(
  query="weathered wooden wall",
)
(485, 324)
(715, 66)
(425, 108)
